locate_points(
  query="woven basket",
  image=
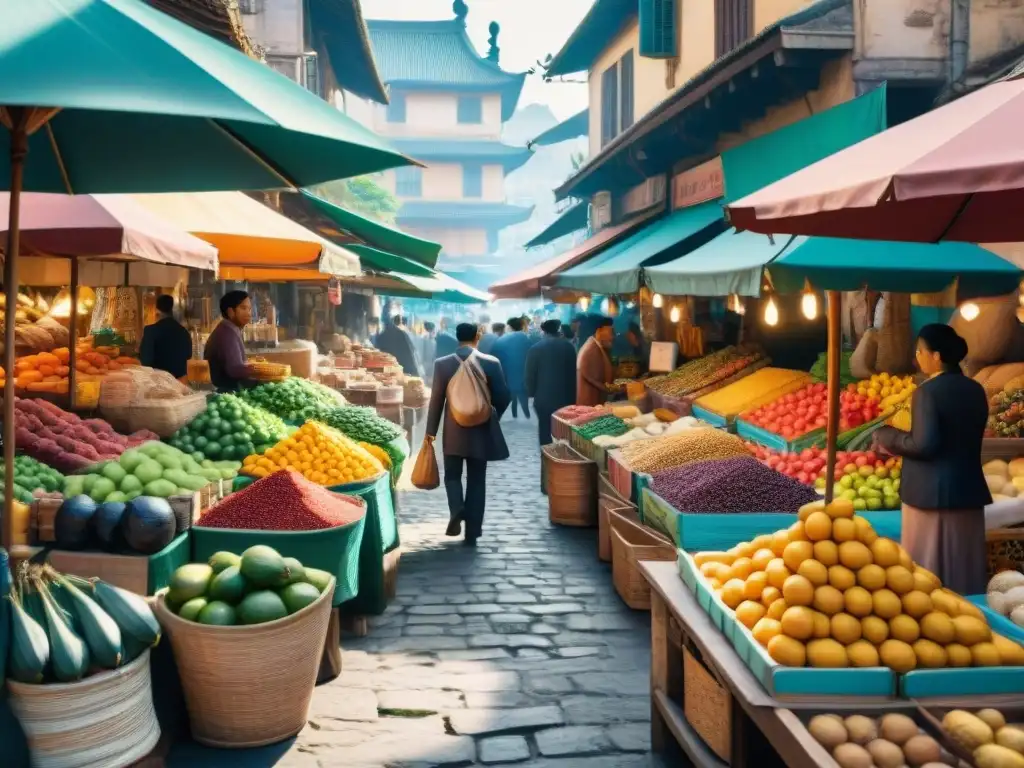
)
(165, 417)
(105, 720)
(707, 705)
(606, 507)
(1005, 549)
(572, 486)
(248, 686)
(264, 371)
(631, 544)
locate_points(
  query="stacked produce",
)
(892, 741)
(320, 454)
(144, 525)
(1005, 595)
(741, 484)
(986, 737)
(33, 479)
(650, 425)
(759, 388)
(229, 428)
(256, 588)
(704, 372)
(294, 399)
(64, 628)
(365, 425)
(1006, 414)
(829, 592)
(793, 415)
(819, 371)
(890, 391)
(682, 448)
(284, 501)
(603, 425)
(1005, 479)
(49, 371)
(64, 440)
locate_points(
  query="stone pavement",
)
(516, 652)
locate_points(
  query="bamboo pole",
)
(835, 352)
(73, 338)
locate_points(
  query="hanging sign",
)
(334, 291)
(663, 357)
(698, 185)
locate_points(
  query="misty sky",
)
(530, 29)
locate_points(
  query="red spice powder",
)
(284, 501)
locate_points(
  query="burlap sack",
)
(990, 335)
(862, 361)
(895, 342)
(857, 317)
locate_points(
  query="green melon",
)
(228, 586)
(261, 607)
(190, 610)
(264, 567)
(221, 560)
(219, 614)
(298, 596)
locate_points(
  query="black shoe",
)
(454, 527)
(469, 541)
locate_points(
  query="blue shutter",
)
(609, 104)
(626, 91)
(471, 110)
(396, 108)
(408, 181)
(472, 180)
(658, 29)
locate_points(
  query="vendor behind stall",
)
(166, 345)
(594, 367)
(630, 346)
(225, 349)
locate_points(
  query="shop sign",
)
(643, 196)
(698, 185)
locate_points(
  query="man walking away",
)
(166, 345)
(550, 376)
(428, 348)
(471, 447)
(594, 366)
(445, 344)
(397, 341)
(511, 351)
(488, 340)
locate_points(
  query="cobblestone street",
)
(516, 652)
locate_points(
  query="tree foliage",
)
(361, 195)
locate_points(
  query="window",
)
(408, 181)
(472, 181)
(396, 108)
(471, 110)
(734, 24)
(658, 29)
(617, 98)
(312, 65)
(626, 91)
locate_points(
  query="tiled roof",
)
(438, 54)
(447, 149)
(604, 20)
(218, 18)
(341, 31)
(463, 214)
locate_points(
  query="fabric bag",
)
(425, 474)
(469, 399)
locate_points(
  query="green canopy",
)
(379, 236)
(730, 263)
(388, 262)
(442, 287)
(617, 269)
(139, 102)
(571, 220)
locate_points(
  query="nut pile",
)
(703, 372)
(894, 741)
(681, 449)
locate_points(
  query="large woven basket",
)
(105, 720)
(632, 543)
(165, 417)
(572, 486)
(248, 686)
(264, 371)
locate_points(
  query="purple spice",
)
(740, 484)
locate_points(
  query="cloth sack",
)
(425, 474)
(469, 400)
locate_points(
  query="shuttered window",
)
(472, 180)
(626, 91)
(734, 24)
(409, 181)
(471, 110)
(609, 104)
(658, 29)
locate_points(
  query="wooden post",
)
(73, 338)
(835, 352)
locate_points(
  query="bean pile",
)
(284, 501)
(741, 484)
(571, 412)
(681, 449)
(603, 425)
(695, 375)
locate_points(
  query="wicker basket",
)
(1005, 549)
(165, 417)
(105, 720)
(248, 686)
(631, 544)
(264, 371)
(572, 486)
(606, 507)
(707, 705)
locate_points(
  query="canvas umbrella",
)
(955, 173)
(115, 96)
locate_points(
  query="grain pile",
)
(682, 449)
(741, 484)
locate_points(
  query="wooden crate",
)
(631, 544)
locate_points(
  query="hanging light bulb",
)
(737, 304)
(674, 315)
(771, 312)
(605, 304)
(970, 311)
(809, 305)
(630, 304)
(657, 301)
(584, 303)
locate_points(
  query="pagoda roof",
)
(474, 150)
(463, 214)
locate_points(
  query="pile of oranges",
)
(320, 454)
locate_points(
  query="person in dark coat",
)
(445, 344)
(397, 341)
(550, 376)
(943, 486)
(488, 340)
(166, 345)
(511, 351)
(469, 446)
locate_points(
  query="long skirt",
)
(951, 544)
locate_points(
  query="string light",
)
(657, 301)
(584, 303)
(674, 315)
(970, 311)
(737, 305)
(771, 312)
(809, 305)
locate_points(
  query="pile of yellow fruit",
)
(320, 454)
(830, 592)
(889, 390)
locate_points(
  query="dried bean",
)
(738, 485)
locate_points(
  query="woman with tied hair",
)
(943, 487)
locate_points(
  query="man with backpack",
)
(470, 392)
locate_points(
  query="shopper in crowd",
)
(511, 351)
(166, 345)
(445, 343)
(944, 490)
(550, 376)
(488, 340)
(428, 347)
(569, 334)
(225, 349)
(398, 342)
(372, 330)
(594, 366)
(471, 447)
(632, 346)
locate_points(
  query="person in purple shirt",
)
(225, 349)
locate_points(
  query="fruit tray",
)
(713, 532)
(780, 681)
(999, 623)
(755, 434)
(712, 418)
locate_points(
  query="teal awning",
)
(571, 220)
(731, 263)
(617, 269)
(834, 264)
(442, 287)
(382, 261)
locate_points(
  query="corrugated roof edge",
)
(810, 13)
(615, 17)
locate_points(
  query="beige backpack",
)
(469, 399)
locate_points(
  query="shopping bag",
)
(425, 474)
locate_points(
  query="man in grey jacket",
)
(469, 446)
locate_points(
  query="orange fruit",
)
(748, 613)
(797, 590)
(777, 573)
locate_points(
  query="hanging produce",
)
(229, 428)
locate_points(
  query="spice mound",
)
(284, 501)
(741, 484)
(681, 449)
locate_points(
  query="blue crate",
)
(756, 434)
(1000, 624)
(710, 417)
(970, 681)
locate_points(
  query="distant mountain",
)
(528, 123)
